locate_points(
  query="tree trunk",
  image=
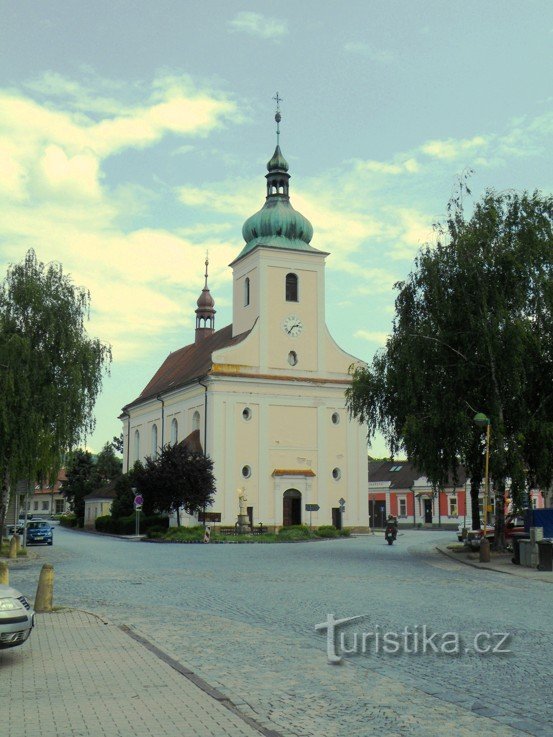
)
(474, 499)
(499, 534)
(4, 503)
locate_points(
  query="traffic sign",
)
(138, 501)
(312, 507)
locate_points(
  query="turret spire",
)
(278, 116)
(205, 313)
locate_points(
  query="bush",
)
(326, 531)
(68, 520)
(345, 532)
(294, 532)
(105, 523)
(186, 534)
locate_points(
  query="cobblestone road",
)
(243, 617)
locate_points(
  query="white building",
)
(266, 393)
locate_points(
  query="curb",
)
(199, 682)
(484, 567)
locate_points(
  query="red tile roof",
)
(188, 363)
(404, 474)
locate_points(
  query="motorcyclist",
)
(391, 522)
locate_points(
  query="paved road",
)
(243, 617)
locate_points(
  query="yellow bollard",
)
(17, 542)
(12, 553)
(4, 573)
(44, 598)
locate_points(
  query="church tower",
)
(205, 312)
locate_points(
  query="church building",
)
(265, 394)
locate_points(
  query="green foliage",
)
(127, 525)
(473, 331)
(80, 481)
(326, 531)
(345, 532)
(68, 520)
(294, 532)
(107, 465)
(186, 534)
(51, 371)
(176, 478)
(123, 503)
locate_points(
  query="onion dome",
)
(277, 224)
(205, 312)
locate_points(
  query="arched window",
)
(174, 431)
(136, 445)
(291, 288)
(154, 441)
(246, 291)
(196, 420)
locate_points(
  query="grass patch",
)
(294, 533)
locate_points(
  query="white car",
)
(17, 617)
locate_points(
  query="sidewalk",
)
(78, 676)
(500, 562)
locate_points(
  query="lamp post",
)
(483, 421)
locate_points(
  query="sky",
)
(134, 137)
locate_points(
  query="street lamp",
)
(483, 421)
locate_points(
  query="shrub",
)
(186, 534)
(345, 532)
(294, 532)
(68, 520)
(326, 531)
(104, 524)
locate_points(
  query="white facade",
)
(276, 424)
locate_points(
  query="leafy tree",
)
(117, 443)
(473, 331)
(80, 473)
(50, 372)
(177, 478)
(123, 503)
(108, 465)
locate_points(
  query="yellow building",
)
(266, 393)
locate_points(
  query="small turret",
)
(205, 312)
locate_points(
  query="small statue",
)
(242, 499)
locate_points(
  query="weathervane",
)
(278, 116)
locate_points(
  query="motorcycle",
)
(390, 534)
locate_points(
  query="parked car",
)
(17, 618)
(513, 524)
(39, 532)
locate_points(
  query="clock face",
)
(292, 326)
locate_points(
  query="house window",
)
(336, 474)
(174, 431)
(35, 506)
(45, 506)
(335, 418)
(59, 506)
(154, 441)
(246, 472)
(291, 288)
(246, 291)
(136, 445)
(453, 509)
(247, 413)
(402, 507)
(196, 421)
(293, 358)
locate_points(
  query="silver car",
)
(17, 617)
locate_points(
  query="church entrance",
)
(291, 508)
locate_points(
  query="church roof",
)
(188, 363)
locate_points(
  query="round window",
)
(292, 358)
(247, 413)
(335, 418)
(336, 474)
(246, 472)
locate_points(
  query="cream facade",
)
(266, 393)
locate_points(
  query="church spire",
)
(278, 177)
(205, 312)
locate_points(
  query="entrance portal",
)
(428, 511)
(291, 508)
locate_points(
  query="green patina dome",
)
(277, 224)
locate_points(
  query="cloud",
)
(373, 336)
(451, 148)
(259, 25)
(361, 48)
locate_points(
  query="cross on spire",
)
(278, 116)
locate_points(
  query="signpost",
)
(311, 508)
(138, 502)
